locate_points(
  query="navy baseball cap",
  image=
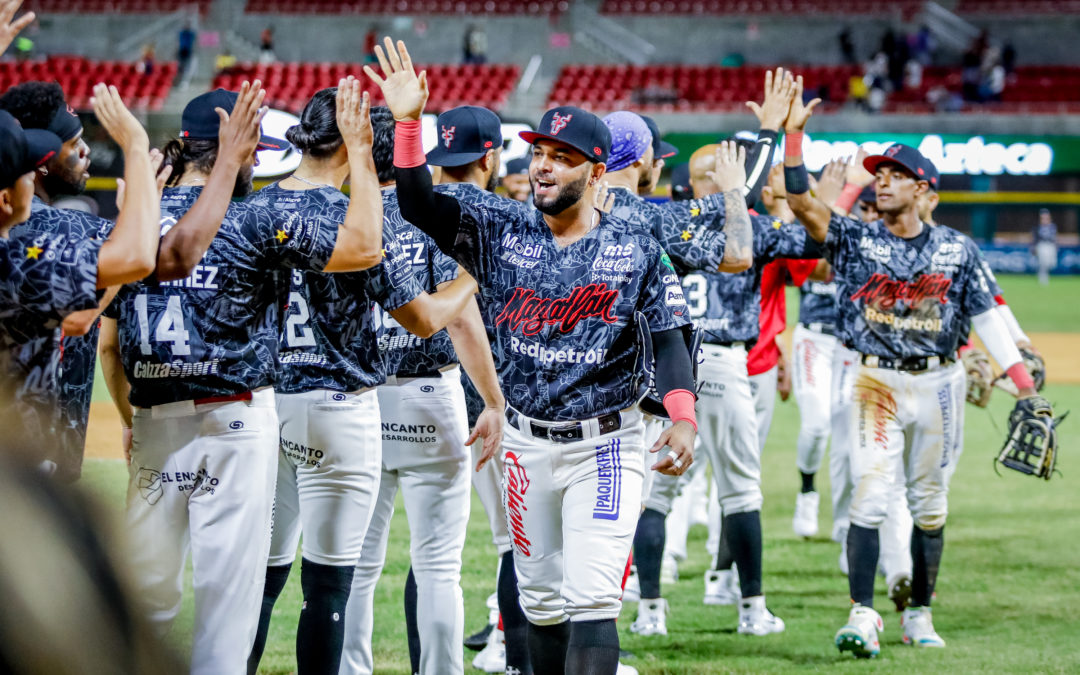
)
(661, 149)
(580, 129)
(23, 150)
(868, 194)
(519, 165)
(933, 176)
(200, 122)
(904, 155)
(465, 135)
(680, 183)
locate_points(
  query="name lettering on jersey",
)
(567, 355)
(156, 371)
(875, 250)
(517, 484)
(529, 313)
(388, 342)
(883, 292)
(608, 480)
(299, 358)
(202, 277)
(519, 253)
(926, 325)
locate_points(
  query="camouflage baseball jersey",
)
(905, 298)
(405, 354)
(565, 318)
(216, 332)
(688, 231)
(77, 354)
(46, 276)
(817, 303)
(726, 306)
(328, 337)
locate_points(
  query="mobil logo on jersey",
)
(529, 313)
(520, 253)
(517, 484)
(875, 250)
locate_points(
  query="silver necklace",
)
(311, 183)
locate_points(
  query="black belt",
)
(909, 364)
(562, 433)
(818, 327)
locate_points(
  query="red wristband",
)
(1019, 375)
(793, 144)
(846, 201)
(679, 404)
(408, 145)
(965, 348)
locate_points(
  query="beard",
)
(567, 197)
(63, 183)
(244, 182)
(493, 182)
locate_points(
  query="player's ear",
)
(7, 202)
(598, 171)
(921, 187)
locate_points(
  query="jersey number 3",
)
(170, 326)
(696, 288)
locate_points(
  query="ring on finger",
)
(676, 462)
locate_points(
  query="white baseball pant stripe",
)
(424, 455)
(813, 385)
(763, 389)
(845, 368)
(572, 509)
(328, 473)
(654, 426)
(202, 479)
(905, 422)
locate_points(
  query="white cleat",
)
(721, 587)
(919, 628)
(842, 560)
(805, 522)
(632, 590)
(756, 619)
(492, 658)
(626, 670)
(651, 618)
(860, 635)
(669, 570)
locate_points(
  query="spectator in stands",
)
(913, 71)
(224, 62)
(992, 76)
(371, 38)
(922, 46)
(266, 45)
(185, 50)
(859, 92)
(1008, 58)
(1045, 246)
(847, 47)
(475, 45)
(147, 60)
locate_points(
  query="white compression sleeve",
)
(993, 332)
(1012, 324)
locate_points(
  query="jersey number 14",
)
(170, 326)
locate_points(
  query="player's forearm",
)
(675, 375)
(991, 329)
(80, 323)
(131, 250)
(738, 234)
(810, 211)
(1015, 332)
(184, 245)
(113, 370)
(758, 162)
(427, 314)
(474, 351)
(437, 215)
(359, 239)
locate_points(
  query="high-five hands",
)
(779, 88)
(404, 91)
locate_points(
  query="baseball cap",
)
(661, 149)
(465, 134)
(904, 155)
(680, 183)
(630, 139)
(519, 165)
(868, 194)
(580, 129)
(23, 150)
(933, 176)
(200, 122)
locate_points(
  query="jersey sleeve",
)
(977, 297)
(392, 284)
(774, 239)
(479, 230)
(842, 236)
(294, 238)
(53, 276)
(694, 244)
(662, 302)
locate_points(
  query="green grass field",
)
(1008, 593)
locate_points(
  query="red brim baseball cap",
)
(580, 129)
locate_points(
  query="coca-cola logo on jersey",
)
(883, 292)
(529, 312)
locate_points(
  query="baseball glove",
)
(1036, 367)
(1031, 446)
(980, 376)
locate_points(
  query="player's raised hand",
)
(161, 169)
(354, 115)
(605, 198)
(831, 183)
(856, 172)
(779, 88)
(800, 111)
(8, 28)
(118, 121)
(729, 173)
(489, 426)
(239, 133)
(679, 439)
(405, 92)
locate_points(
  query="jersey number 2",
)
(170, 327)
(297, 333)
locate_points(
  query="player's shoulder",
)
(503, 207)
(45, 217)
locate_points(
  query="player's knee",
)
(867, 513)
(930, 522)
(542, 608)
(742, 502)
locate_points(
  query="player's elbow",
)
(736, 263)
(76, 325)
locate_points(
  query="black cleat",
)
(900, 593)
(478, 640)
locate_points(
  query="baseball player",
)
(34, 349)
(425, 432)
(200, 356)
(516, 180)
(566, 290)
(662, 152)
(909, 287)
(329, 465)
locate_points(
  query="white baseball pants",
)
(763, 389)
(814, 387)
(424, 455)
(845, 368)
(572, 509)
(488, 485)
(202, 479)
(328, 473)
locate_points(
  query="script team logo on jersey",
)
(559, 122)
(448, 135)
(884, 292)
(530, 313)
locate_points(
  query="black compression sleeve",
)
(758, 163)
(674, 370)
(428, 210)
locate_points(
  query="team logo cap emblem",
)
(448, 135)
(559, 122)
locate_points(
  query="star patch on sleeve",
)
(281, 236)
(32, 252)
(686, 236)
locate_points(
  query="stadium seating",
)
(290, 85)
(908, 8)
(1018, 7)
(118, 6)
(78, 76)
(471, 7)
